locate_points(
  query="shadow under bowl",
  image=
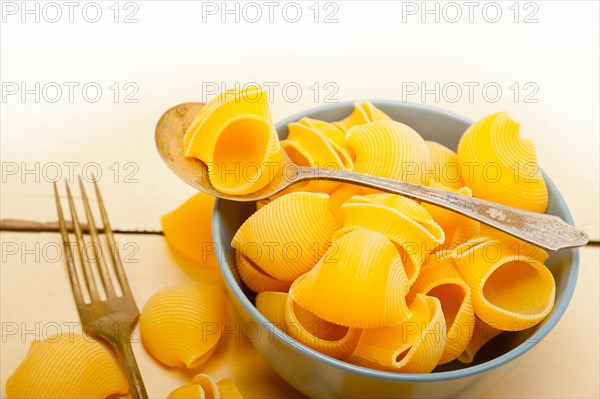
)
(318, 375)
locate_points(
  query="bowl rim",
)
(537, 336)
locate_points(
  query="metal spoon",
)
(546, 231)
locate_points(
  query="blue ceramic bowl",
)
(318, 375)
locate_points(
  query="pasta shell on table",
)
(204, 386)
(181, 325)
(287, 237)
(401, 152)
(328, 338)
(359, 282)
(235, 136)
(364, 112)
(482, 334)
(67, 365)
(440, 278)
(457, 228)
(510, 291)
(500, 166)
(188, 229)
(444, 165)
(413, 346)
(413, 239)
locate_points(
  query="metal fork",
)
(112, 319)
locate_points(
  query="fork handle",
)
(546, 231)
(136, 384)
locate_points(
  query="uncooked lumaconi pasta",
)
(376, 279)
(188, 229)
(256, 279)
(482, 334)
(308, 146)
(67, 365)
(457, 228)
(439, 277)
(444, 167)
(413, 346)
(503, 167)
(235, 137)
(204, 386)
(403, 221)
(288, 236)
(181, 325)
(389, 149)
(359, 282)
(326, 337)
(510, 290)
(364, 112)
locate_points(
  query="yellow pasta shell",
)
(384, 213)
(286, 237)
(188, 229)
(440, 278)
(408, 207)
(482, 334)
(235, 136)
(510, 291)
(204, 386)
(67, 366)
(343, 193)
(501, 166)
(389, 149)
(256, 279)
(444, 167)
(326, 337)
(307, 146)
(364, 112)
(181, 325)
(359, 282)
(189, 391)
(457, 228)
(332, 132)
(413, 346)
(272, 305)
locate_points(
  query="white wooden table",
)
(83, 97)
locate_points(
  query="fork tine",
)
(68, 252)
(114, 250)
(85, 264)
(99, 258)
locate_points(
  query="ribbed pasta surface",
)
(385, 263)
(235, 136)
(288, 236)
(181, 325)
(439, 277)
(389, 149)
(413, 346)
(360, 282)
(502, 166)
(67, 365)
(204, 386)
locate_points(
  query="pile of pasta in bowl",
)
(371, 278)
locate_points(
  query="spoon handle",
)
(546, 231)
